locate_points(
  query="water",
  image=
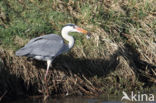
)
(72, 100)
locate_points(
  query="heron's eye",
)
(74, 27)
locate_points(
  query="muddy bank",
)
(124, 69)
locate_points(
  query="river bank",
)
(120, 56)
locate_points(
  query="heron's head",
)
(74, 28)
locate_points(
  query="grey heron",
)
(47, 47)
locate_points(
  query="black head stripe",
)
(70, 25)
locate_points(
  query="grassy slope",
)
(122, 44)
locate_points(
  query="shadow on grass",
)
(97, 67)
(141, 67)
(82, 66)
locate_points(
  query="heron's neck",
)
(67, 37)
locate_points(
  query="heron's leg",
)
(46, 91)
(48, 65)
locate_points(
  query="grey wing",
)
(49, 36)
(45, 46)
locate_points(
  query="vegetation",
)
(121, 54)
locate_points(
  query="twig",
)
(3, 95)
(87, 80)
(153, 72)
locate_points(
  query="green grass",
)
(29, 19)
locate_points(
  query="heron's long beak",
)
(81, 30)
(84, 32)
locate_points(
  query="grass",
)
(123, 37)
(29, 18)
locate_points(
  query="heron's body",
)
(44, 48)
(49, 46)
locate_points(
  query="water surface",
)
(71, 100)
